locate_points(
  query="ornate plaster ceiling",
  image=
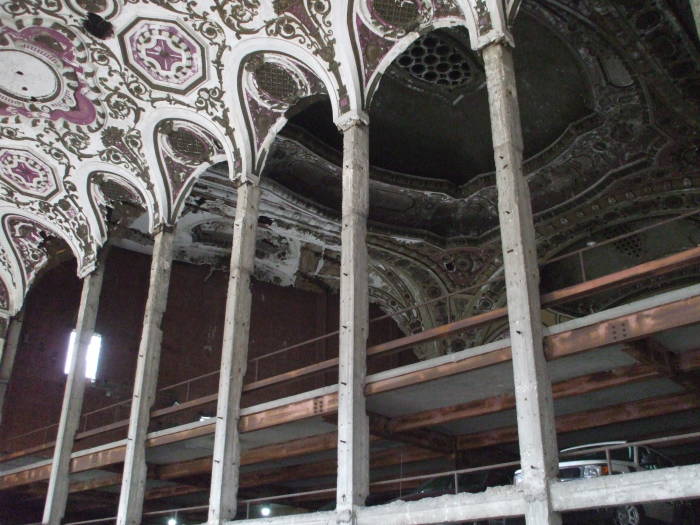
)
(115, 137)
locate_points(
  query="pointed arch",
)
(23, 234)
(160, 145)
(301, 65)
(84, 179)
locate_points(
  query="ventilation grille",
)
(276, 82)
(402, 14)
(631, 246)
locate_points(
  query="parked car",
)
(631, 458)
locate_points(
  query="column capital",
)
(163, 228)
(352, 118)
(489, 21)
(247, 181)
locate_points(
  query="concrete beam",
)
(11, 341)
(669, 484)
(57, 494)
(134, 477)
(234, 358)
(533, 392)
(353, 423)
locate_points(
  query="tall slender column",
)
(12, 334)
(134, 477)
(695, 6)
(234, 358)
(57, 494)
(353, 424)
(533, 390)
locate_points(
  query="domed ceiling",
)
(109, 130)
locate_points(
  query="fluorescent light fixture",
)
(91, 358)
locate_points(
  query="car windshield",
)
(619, 454)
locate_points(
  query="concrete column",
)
(234, 358)
(353, 423)
(134, 477)
(57, 494)
(695, 6)
(11, 341)
(533, 391)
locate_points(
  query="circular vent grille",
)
(435, 60)
(398, 13)
(276, 82)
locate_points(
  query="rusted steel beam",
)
(620, 330)
(613, 280)
(651, 352)
(623, 329)
(590, 419)
(623, 277)
(570, 387)
(630, 275)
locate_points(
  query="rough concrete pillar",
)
(353, 423)
(57, 494)
(533, 391)
(234, 358)
(134, 477)
(13, 331)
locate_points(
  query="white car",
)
(623, 459)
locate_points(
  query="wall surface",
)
(192, 330)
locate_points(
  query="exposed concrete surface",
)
(134, 477)
(234, 358)
(353, 423)
(14, 330)
(667, 484)
(533, 391)
(57, 494)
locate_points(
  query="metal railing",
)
(120, 407)
(247, 503)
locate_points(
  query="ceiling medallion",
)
(395, 18)
(27, 174)
(43, 77)
(276, 82)
(164, 54)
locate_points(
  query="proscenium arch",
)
(169, 211)
(233, 76)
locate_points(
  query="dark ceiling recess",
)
(98, 26)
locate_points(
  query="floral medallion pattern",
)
(45, 76)
(164, 54)
(26, 173)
